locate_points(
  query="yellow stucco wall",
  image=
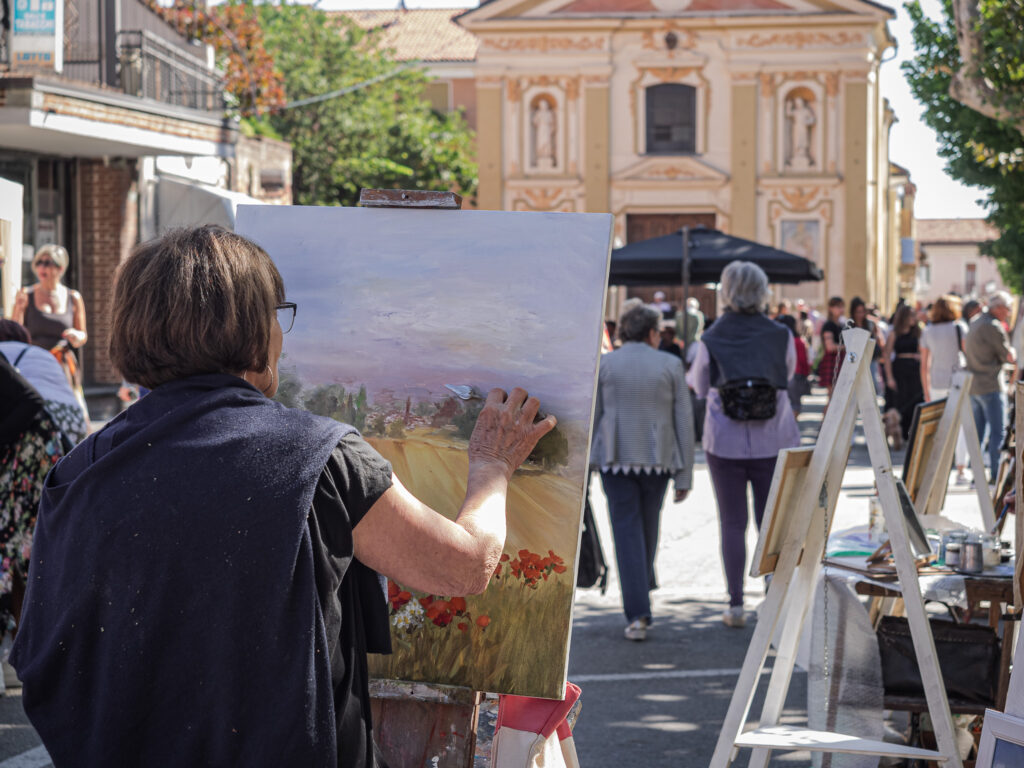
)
(856, 164)
(744, 160)
(596, 138)
(490, 192)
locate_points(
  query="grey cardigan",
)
(643, 416)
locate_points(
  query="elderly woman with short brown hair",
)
(205, 582)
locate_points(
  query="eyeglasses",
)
(286, 315)
(45, 263)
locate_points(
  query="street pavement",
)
(659, 702)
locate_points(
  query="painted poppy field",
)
(512, 637)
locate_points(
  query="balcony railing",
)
(152, 68)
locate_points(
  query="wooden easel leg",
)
(977, 461)
(906, 570)
(799, 600)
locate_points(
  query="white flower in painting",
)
(409, 617)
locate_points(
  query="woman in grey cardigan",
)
(643, 435)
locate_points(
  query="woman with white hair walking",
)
(643, 435)
(743, 365)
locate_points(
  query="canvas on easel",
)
(933, 457)
(405, 319)
(791, 591)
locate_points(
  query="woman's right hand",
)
(505, 432)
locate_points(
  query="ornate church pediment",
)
(523, 9)
(675, 170)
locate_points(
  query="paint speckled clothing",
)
(23, 467)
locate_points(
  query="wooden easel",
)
(791, 592)
(956, 415)
(422, 725)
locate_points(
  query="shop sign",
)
(37, 35)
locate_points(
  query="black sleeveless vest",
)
(744, 346)
(174, 544)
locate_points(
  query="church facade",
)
(761, 118)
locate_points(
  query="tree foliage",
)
(990, 75)
(979, 150)
(251, 81)
(383, 135)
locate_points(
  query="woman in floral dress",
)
(29, 447)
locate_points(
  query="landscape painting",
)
(400, 314)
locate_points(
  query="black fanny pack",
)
(751, 399)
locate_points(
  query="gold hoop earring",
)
(270, 387)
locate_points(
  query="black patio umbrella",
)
(659, 261)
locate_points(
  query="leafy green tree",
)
(378, 425)
(979, 150)
(325, 400)
(396, 429)
(465, 419)
(383, 135)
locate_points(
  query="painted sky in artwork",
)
(409, 301)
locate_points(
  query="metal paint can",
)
(953, 554)
(973, 557)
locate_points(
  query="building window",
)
(671, 118)
(971, 279)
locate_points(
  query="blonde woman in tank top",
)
(53, 313)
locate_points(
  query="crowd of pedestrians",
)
(747, 371)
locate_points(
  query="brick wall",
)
(108, 230)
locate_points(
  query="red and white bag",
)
(534, 733)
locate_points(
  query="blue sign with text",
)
(35, 17)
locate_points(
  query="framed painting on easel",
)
(405, 319)
(920, 444)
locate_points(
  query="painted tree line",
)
(390, 416)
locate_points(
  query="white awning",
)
(183, 204)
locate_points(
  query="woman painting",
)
(831, 342)
(643, 437)
(210, 530)
(901, 360)
(942, 355)
(743, 344)
(53, 314)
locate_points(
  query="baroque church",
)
(761, 118)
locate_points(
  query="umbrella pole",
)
(686, 280)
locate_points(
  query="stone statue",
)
(801, 125)
(543, 136)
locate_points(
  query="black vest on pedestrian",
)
(172, 617)
(744, 346)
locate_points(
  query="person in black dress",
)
(901, 360)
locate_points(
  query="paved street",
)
(660, 702)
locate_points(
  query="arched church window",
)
(671, 118)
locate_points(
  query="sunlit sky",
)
(913, 144)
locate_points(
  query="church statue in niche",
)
(800, 120)
(543, 120)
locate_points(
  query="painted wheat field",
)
(478, 641)
(392, 306)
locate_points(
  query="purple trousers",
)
(730, 478)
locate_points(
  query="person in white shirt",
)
(942, 345)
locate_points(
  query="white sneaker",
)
(734, 617)
(636, 631)
(961, 478)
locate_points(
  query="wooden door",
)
(644, 226)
